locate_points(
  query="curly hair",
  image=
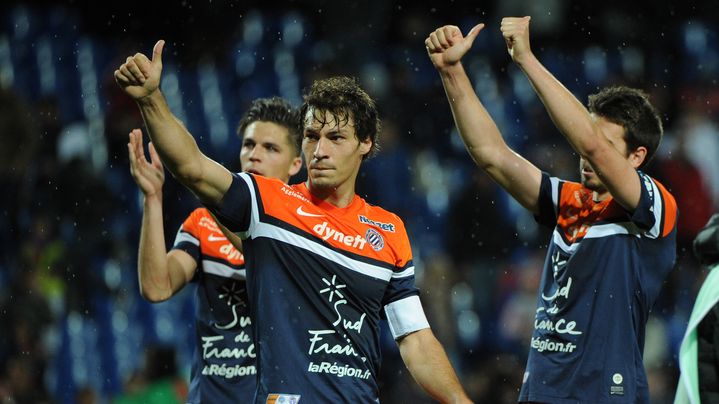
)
(343, 98)
(630, 108)
(278, 111)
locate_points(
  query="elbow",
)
(153, 296)
(592, 150)
(188, 174)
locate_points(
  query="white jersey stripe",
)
(403, 274)
(225, 271)
(186, 237)
(597, 231)
(280, 234)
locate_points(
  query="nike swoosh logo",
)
(212, 237)
(303, 213)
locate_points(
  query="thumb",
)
(472, 35)
(154, 157)
(157, 52)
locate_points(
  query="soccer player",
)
(322, 265)
(223, 368)
(699, 379)
(614, 233)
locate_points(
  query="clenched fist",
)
(446, 45)
(516, 34)
(140, 76)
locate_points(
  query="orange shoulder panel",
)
(359, 228)
(670, 209)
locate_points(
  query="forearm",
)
(568, 114)
(207, 179)
(427, 361)
(173, 142)
(485, 143)
(476, 127)
(153, 272)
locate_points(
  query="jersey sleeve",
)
(187, 238)
(548, 202)
(401, 300)
(235, 209)
(656, 212)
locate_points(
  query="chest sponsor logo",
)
(230, 252)
(291, 192)
(326, 232)
(548, 325)
(383, 226)
(209, 224)
(220, 353)
(336, 341)
(232, 294)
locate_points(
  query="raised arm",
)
(586, 133)
(139, 77)
(428, 363)
(161, 274)
(446, 47)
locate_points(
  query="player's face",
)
(266, 151)
(615, 135)
(333, 152)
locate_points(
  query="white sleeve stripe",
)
(407, 272)
(406, 316)
(555, 193)
(658, 208)
(186, 237)
(255, 211)
(225, 271)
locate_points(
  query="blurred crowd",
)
(74, 327)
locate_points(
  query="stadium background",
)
(73, 327)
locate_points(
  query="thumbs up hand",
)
(446, 45)
(139, 76)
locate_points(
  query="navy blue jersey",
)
(319, 280)
(223, 365)
(602, 274)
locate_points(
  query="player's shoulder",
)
(270, 188)
(378, 217)
(202, 218)
(199, 213)
(648, 181)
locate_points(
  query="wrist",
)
(151, 99)
(525, 59)
(153, 198)
(452, 70)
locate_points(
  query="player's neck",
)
(340, 196)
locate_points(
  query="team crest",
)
(375, 239)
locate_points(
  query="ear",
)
(637, 157)
(365, 146)
(295, 166)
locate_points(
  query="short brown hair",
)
(630, 108)
(276, 110)
(343, 98)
